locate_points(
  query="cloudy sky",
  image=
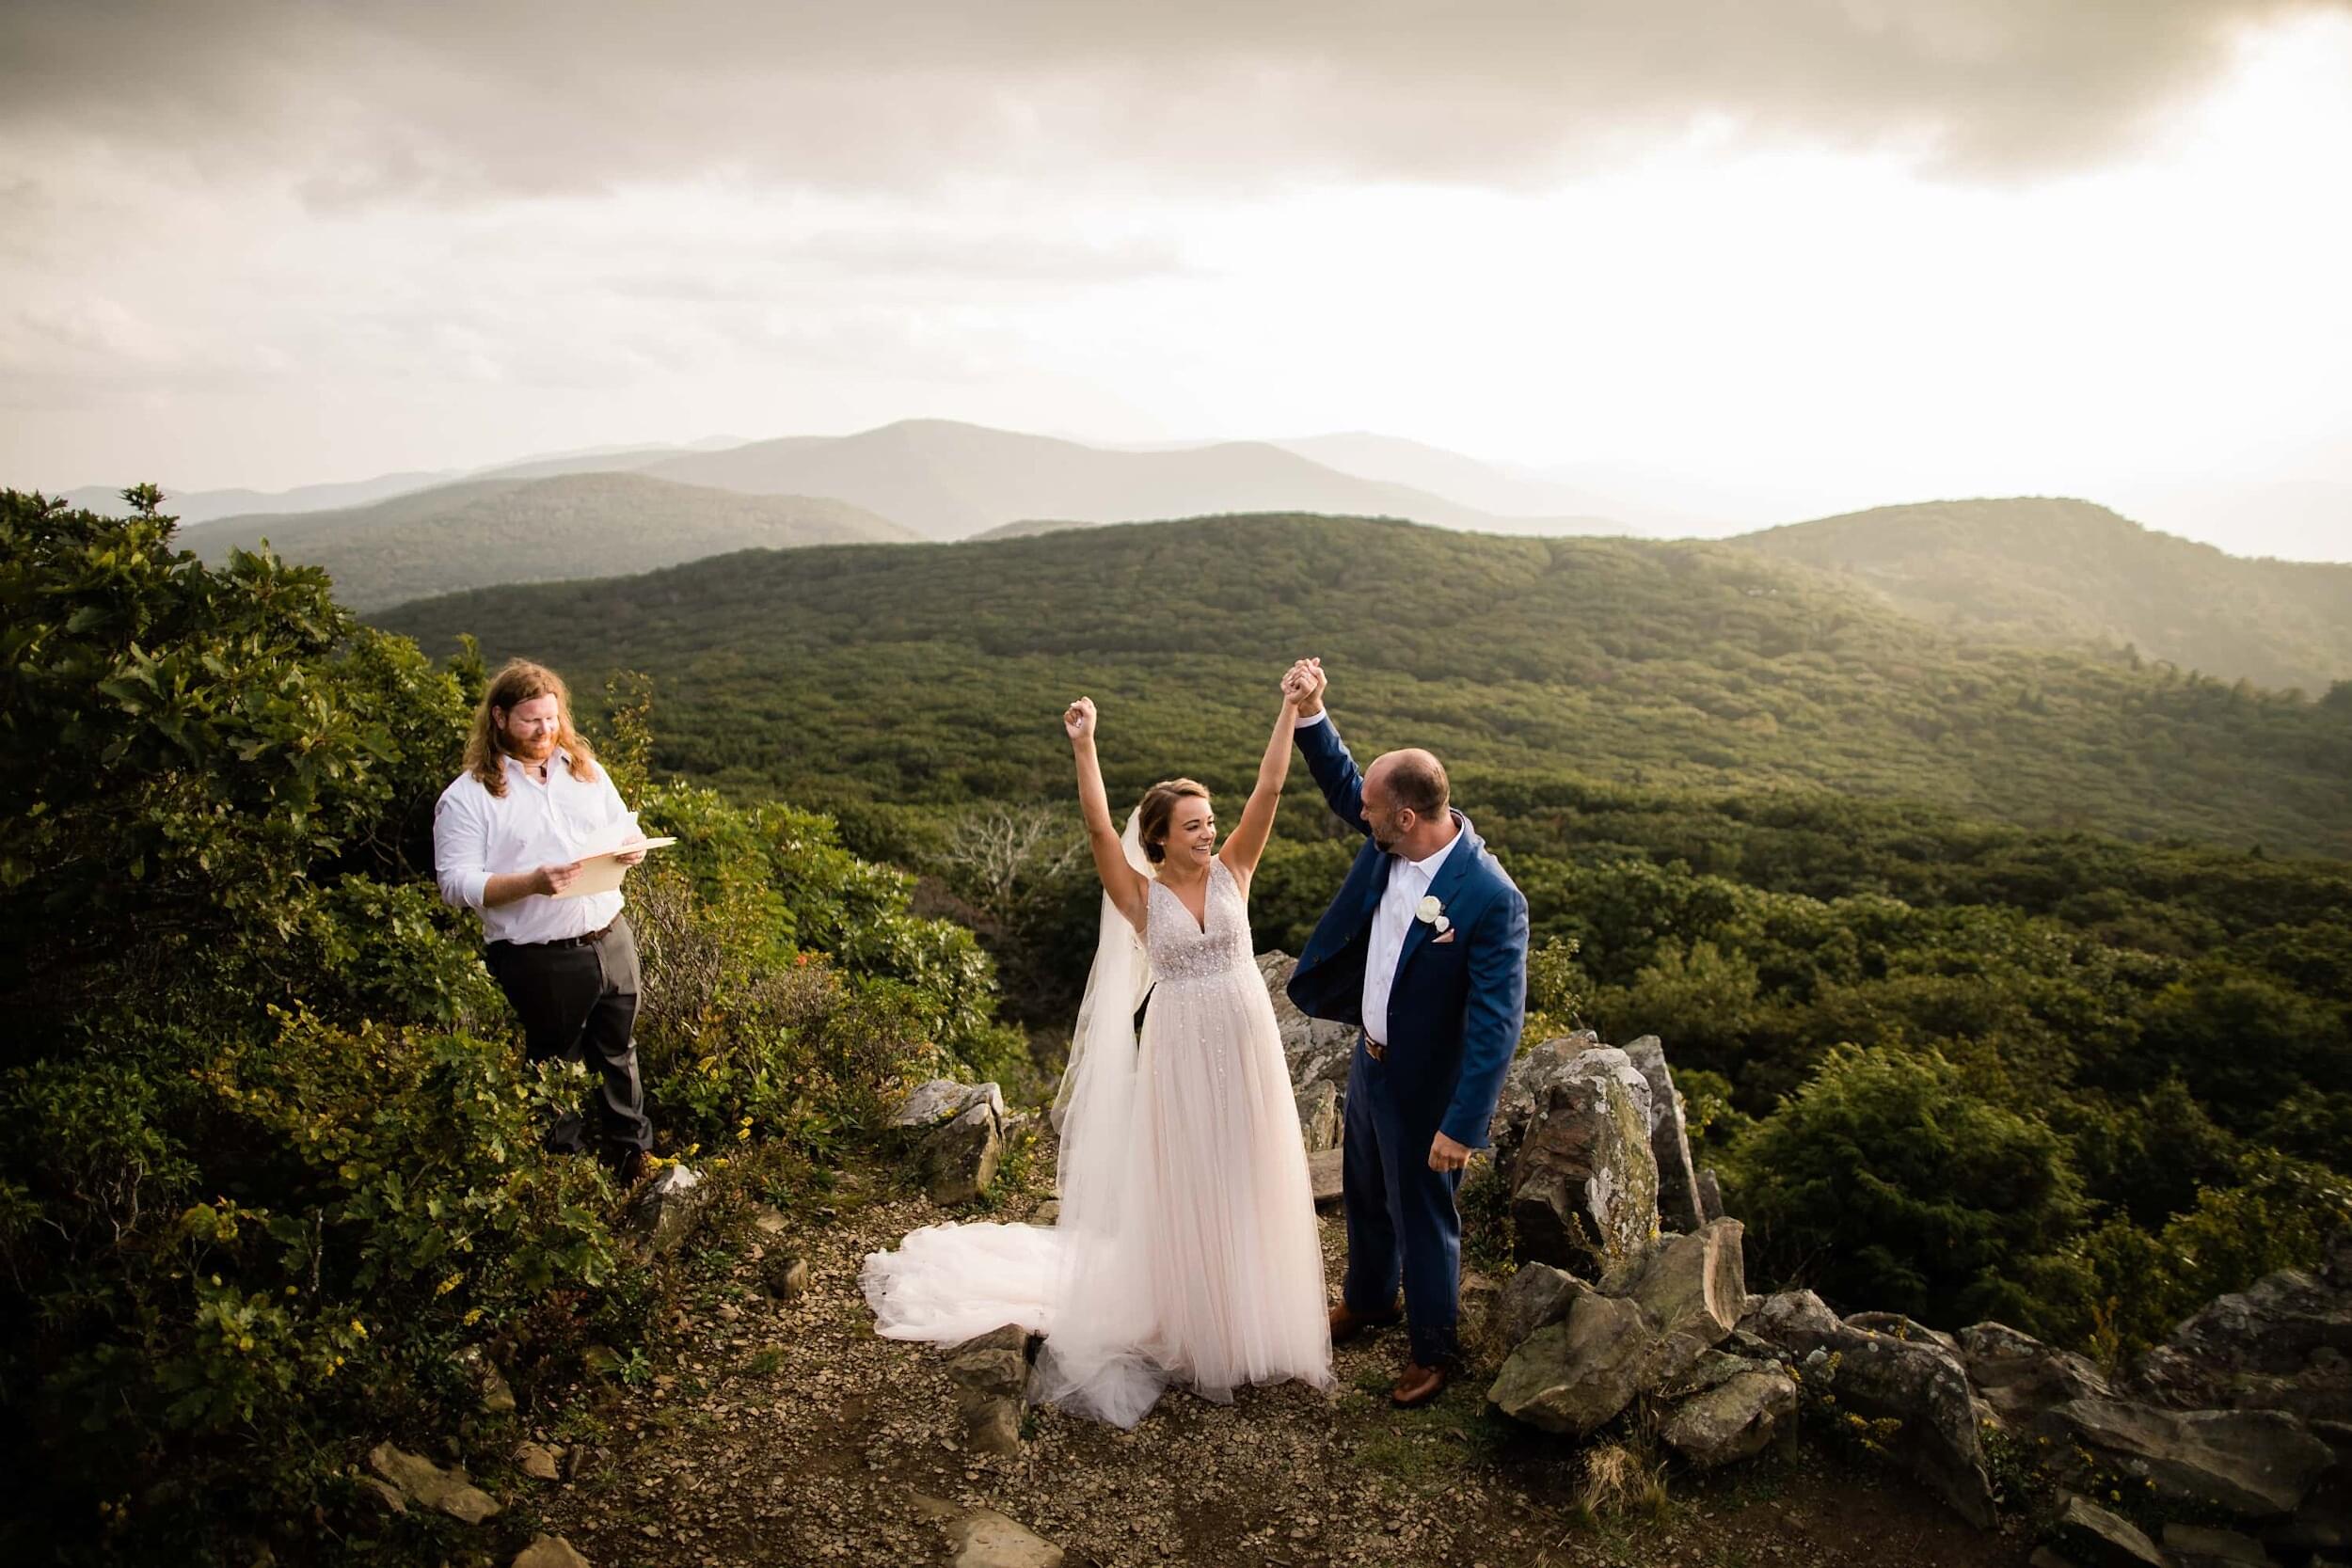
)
(1753, 260)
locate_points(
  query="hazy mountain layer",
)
(488, 532)
(2053, 571)
(936, 673)
(949, 480)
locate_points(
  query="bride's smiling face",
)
(1191, 834)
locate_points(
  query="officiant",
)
(509, 835)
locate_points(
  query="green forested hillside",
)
(489, 531)
(2051, 571)
(934, 673)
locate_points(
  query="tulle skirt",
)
(1204, 1268)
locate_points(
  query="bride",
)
(1187, 1251)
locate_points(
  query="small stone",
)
(1048, 1213)
(448, 1491)
(538, 1461)
(384, 1493)
(987, 1539)
(786, 1276)
(2105, 1539)
(992, 1426)
(549, 1551)
(1323, 1175)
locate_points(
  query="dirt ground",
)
(787, 1434)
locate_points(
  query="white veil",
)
(1085, 1283)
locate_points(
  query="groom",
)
(1426, 952)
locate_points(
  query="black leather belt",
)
(591, 939)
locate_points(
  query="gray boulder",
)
(1575, 1375)
(2202, 1546)
(958, 1161)
(943, 1100)
(666, 1209)
(1536, 1296)
(425, 1484)
(1710, 1194)
(1913, 1382)
(1316, 1050)
(1678, 1205)
(2282, 1343)
(2253, 1464)
(986, 1539)
(1696, 1284)
(2023, 1379)
(1733, 1418)
(1323, 1177)
(549, 1551)
(1571, 1132)
(1319, 1122)
(991, 1372)
(2092, 1536)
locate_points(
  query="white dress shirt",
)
(477, 835)
(1391, 923)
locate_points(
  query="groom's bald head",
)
(1404, 803)
(1411, 780)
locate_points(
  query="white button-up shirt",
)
(477, 835)
(1391, 923)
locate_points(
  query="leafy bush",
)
(271, 1181)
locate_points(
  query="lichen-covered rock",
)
(1537, 1296)
(1325, 1176)
(1914, 1382)
(1319, 1122)
(2021, 1378)
(2098, 1539)
(1572, 1135)
(1792, 1320)
(1678, 1205)
(1710, 1194)
(2282, 1343)
(958, 1161)
(1733, 1418)
(1316, 1050)
(666, 1209)
(1696, 1284)
(451, 1491)
(943, 1100)
(2253, 1464)
(1575, 1375)
(994, 1363)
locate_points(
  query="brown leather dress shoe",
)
(1419, 1385)
(1346, 1322)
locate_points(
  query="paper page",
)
(603, 873)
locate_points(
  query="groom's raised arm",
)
(1327, 759)
(1496, 1013)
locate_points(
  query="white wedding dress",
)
(1188, 1250)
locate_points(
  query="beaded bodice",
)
(1181, 948)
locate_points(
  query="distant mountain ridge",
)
(495, 531)
(2053, 571)
(951, 480)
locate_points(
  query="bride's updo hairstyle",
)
(1158, 806)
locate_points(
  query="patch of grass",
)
(1622, 1479)
(766, 1363)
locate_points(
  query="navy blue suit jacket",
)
(1457, 1007)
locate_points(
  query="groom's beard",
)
(527, 751)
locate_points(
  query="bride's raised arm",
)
(1121, 882)
(1247, 843)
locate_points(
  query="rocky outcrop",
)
(1578, 1374)
(991, 1377)
(1916, 1382)
(1733, 1419)
(1571, 1136)
(1316, 1050)
(2099, 1539)
(2283, 1344)
(2252, 1464)
(1319, 1122)
(2021, 1378)
(1678, 1205)
(420, 1481)
(959, 1129)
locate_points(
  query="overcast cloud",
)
(1863, 250)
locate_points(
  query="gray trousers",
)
(578, 1003)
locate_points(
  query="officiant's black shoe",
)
(628, 1167)
(1346, 1322)
(1419, 1385)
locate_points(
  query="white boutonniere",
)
(1432, 913)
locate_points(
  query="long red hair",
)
(517, 683)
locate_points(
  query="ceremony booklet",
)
(603, 873)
